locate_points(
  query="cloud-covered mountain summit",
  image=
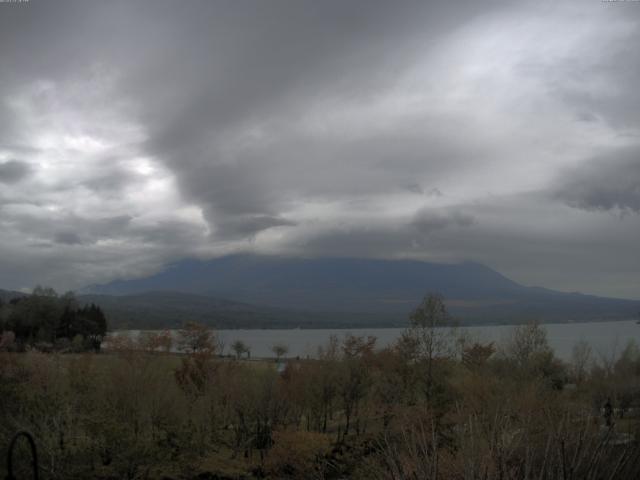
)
(386, 289)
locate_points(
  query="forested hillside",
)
(47, 321)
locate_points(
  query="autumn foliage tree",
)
(195, 337)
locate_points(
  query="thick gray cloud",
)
(67, 238)
(138, 133)
(427, 220)
(610, 182)
(13, 171)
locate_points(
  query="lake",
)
(606, 338)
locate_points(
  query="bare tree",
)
(581, 357)
(427, 335)
(279, 350)
(239, 348)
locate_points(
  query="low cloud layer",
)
(138, 133)
(607, 183)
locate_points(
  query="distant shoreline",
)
(378, 327)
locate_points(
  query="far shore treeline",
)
(47, 321)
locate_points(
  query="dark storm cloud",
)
(242, 226)
(67, 238)
(610, 183)
(384, 238)
(166, 234)
(72, 230)
(381, 241)
(110, 175)
(13, 171)
(204, 104)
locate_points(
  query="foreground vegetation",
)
(435, 405)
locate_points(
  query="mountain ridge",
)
(355, 286)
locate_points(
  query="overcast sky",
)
(138, 133)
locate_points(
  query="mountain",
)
(167, 309)
(383, 291)
(6, 295)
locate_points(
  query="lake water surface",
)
(606, 338)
